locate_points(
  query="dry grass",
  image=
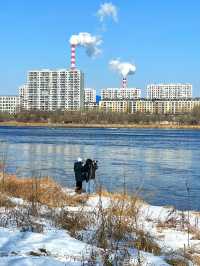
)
(6, 202)
(74, 222)
(195, 232)
(20, 217)
(145, 241)
(116, 222)
(177, 262)
(43, 190)
(196, 259)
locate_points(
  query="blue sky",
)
(161, 37)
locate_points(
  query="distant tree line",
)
(100, 117)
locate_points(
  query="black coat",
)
(78, 170)
(93, 170)
(86, 172)
(89, 170)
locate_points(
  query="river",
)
(157, 163)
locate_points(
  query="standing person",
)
(90, 168)
(78, 171)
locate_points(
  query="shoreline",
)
(162, 235)
(74, 125)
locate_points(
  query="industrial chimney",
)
(73, 56)
(124, 82)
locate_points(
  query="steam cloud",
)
(89, 42)
(107, 10)
(124, 68)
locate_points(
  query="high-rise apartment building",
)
(50, 90)
(120, 94)
(23, 97)
(169, 91)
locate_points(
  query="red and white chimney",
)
(124, 83)
(73, 56)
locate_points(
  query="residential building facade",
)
(178, 106)
(169, 91)
(50, 90)
(120, 94)
(9, 104)
(89, 95)
(23, 97)
(122, 106)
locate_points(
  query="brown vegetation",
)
(99, 117)
(177, 262)
(73, 222)
(41, 190)
(6, 202)
(146, 242)
(114, 228)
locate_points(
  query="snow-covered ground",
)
(55, 246)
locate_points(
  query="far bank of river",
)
(74, 125)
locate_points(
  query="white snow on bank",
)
(17, 201)
(147, 259)
(57, 242)
(17, 248)
(94, 202)
(169, 238)
(32, 261)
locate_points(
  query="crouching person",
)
(78, 171)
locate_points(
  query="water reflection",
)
(159, 161)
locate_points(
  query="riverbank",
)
(74, 125)
(42, 223)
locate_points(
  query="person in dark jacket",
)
(89, 170)
(78, 171)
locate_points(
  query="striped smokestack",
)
(124, 83)
(73, 56)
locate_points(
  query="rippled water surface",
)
(157, 161)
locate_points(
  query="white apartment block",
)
(50, 90)
(90, 99)
(89, 95)
(169, 91)
(177, 106)
(9, 104)
(23, 97)
(120, 94)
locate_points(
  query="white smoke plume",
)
(107, 10)
(89, 42)
(124, 68)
